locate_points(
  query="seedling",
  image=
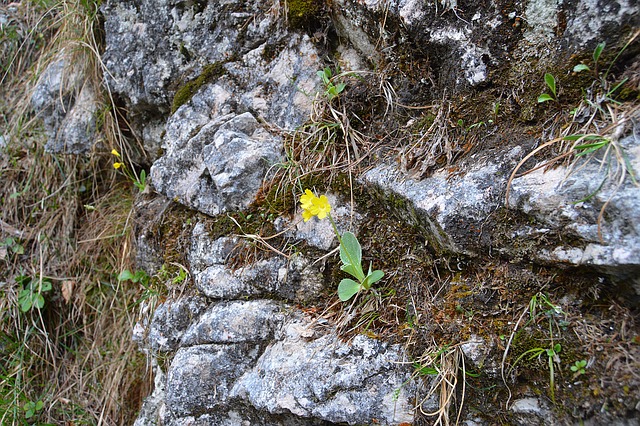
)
(579, 367)
(30, 295)
(550, 80)
(331, 90)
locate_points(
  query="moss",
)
(209, 73)
(303, 13)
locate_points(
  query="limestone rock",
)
(328, 379)
(220, 167)
(612, 243)
(67, 101)
(295, 279)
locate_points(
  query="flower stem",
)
(335, 228)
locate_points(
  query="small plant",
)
(596, 55)
(31, 408)
(550, 80)
(331, 90)
(579, 367)
(139, 181)
(139, 276)
(30, 295)
(13, 245)
(552, 357)
(540, 306)
(350, 249)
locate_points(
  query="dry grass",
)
(71, 216)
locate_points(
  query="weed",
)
(550, 81)
(579, 367)
(593, 131)
(139, 180)
(31, 408)
(331, 90)
(539, 308)
(31, 293)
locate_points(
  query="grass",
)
(71, 360)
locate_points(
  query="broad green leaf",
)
(544, 98)
(25, 301)
(581, 67)
(351, 254)
(125, 275)
(551, 82)
(353, 271)
(46, 285)
(39, 301)
(347, 289)
(372, 278)
(598, 51)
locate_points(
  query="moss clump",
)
(186, 92)
(302, 13)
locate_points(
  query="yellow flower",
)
(116, 153)
(314, 206)
(117, 165)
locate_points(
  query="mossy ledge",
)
(209, 73)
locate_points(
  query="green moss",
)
(303, 12)
(209, 73)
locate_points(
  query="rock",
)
(295, 279)
(451, 208)
(67, 101)
(154, 403)
(329, 380)
(295, 377)
(235, 322)
(155, 47)
(530, 411)
(221, 164)
(171, 320)
(612, 243)
(201, 377)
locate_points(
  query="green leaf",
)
(24, 299)
(351, 254)
(581, 67)
(598, 51)
(125, 275)
(544, 98)
(353, 271)
(551, 82)
(347, 289)
(38, 301)
(46, 285)
(372, 277)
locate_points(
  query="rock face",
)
(262, 361)
(215, 88)
(67, 100)
(221, 166)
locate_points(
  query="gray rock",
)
(201, 377)
(296, 279)
(154, 47)
(236, 322)
(171, 320)
(67, 101)
(153, 404)
(220, 167)
(330, 380)
(450, 207)
(553, 198)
